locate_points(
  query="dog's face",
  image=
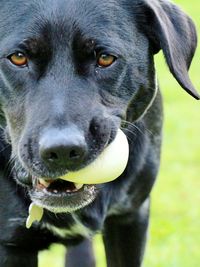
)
(69, 71)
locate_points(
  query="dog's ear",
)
(171, 30)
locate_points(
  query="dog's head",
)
(69, 70)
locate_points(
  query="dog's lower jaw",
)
(64, 209)
(64, 202)
(55, 201)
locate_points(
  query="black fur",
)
(63, 97)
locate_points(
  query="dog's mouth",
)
(57, 195)
(57, 186)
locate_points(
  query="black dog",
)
(72, 73)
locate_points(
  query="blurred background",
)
(174, 234)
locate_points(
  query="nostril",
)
(48, 155)
(53, 156)
(62, 149)
(62, 155)
(74, 154)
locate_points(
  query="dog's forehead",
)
(45, 25)
(62, 21)
(87, 15)
(99, 18)
(71, 8)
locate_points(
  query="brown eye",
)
(19, 59)
(105, 60)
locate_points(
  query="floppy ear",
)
(171, 30)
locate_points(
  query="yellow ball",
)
(107, 167)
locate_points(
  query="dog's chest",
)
(76, 229)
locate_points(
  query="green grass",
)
(174, 234)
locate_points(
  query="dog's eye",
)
(18, 59)
(105, 60)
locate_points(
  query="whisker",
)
(129, 131)
(132, 124)
(11, 166)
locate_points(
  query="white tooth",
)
(55, 191)
(78, 186)
(43, 182)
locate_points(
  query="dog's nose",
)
(62, 148)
